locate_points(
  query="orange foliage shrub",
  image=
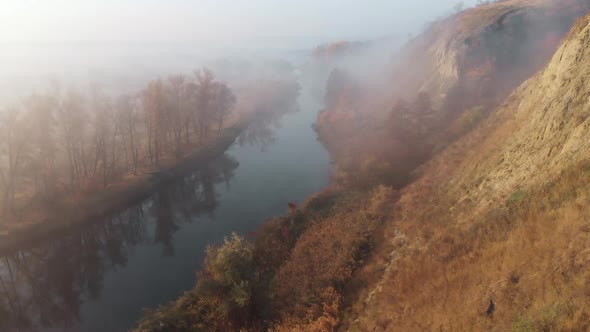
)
(323, 260)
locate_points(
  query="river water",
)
(100, 277)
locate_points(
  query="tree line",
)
(72, 141)
(33, 295)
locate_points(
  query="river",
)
(100, 277)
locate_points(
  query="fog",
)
(213, 24)
(122, 44)
(160, 127)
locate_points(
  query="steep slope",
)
(498, 217)
(494, 234)
(487, 50)
(442, 83)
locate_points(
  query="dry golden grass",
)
(529, 256)
(293, 274)
(503, 215)
(309, 286)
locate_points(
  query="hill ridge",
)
(499, 215)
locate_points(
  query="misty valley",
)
(75, 279)
(321, 166)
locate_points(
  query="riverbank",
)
(246, 284)
(34, 225)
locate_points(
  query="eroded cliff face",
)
(500, 216)
(541, 130)
(447, 80)
(481, 54)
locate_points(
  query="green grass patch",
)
(517, 197)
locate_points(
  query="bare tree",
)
(224, 101)
(13, 146)
(153, 105)
(102, 110)
(177, 108)
(72, 120)
(190, 112)
(127, 110)
(42, 112)
(76, 139)
(205, 95)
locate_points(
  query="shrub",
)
(223, 297)
(524, 324)
(293, 272)
(381, 199)
(323, 261)
(322, 318)
(547, 319)
(467, 121)
(229, 275)
(517, 197)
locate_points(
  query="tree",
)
(127, 111)
(411, 123)
(484, 2)
(42, 112)
(229, 280)
(177, 108)
(337, 82)
(224, 101)
(153, 106)
(14, 142)
(102, 110)
(75, 139)
(72, 120)
(342, 92)
(190, 109)
(205, 96)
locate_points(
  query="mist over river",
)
(100, 277)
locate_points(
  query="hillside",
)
(501, 215)
(484, 51)
(449, 211)
(440, 85)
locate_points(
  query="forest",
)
(65, 147)
(42, 287)
(73, 141)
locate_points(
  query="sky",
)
(214, 23)
(123, 43)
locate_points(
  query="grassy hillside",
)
(501, 216)
(290, 276)
(490, 233)
(441, 85)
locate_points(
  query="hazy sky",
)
(214, 23)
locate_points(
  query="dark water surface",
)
(99, 278)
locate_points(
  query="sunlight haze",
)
(294, 165)
(214, 24)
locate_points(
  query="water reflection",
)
(46, 286)
(261, 132)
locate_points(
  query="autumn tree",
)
(153, 106)
(127, 113)
(41, 112)
(13, 148)
(224, 101)
(72, 119)
(412, 122)
(341, 91)
(102, 111)
(68, 141)
(205, 97)
(178, 108)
